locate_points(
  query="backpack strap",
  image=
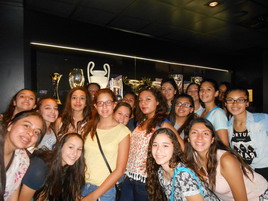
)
(184, 169)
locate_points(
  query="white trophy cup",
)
(98, 76)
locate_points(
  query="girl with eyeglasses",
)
(114, 141)
(224, 171)
(182, 112)
(208, 93)
(151, 113)
(76, 112)
(248, 131)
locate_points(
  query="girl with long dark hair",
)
(248, 131)
(151, 113)
(76, 112)
(208, 93)
(182, 113)
(48, 108)
(23, 100)
(168, 177)
(193, 90)
(169, 90)
(58, 174)
(222, 168)
(25, 130)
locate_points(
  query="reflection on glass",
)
(76, 78)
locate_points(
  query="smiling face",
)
(78, 100)
(25, 100)
(239, 107)
(71, 150)
(105, 105)
(162, 150)
(24, 133)
(122, 115)
(200, 138)
(207, 92)
(180, 107)
(168, 91)
(193, 91)
(130, 99)
(49, 110)
(148, 103)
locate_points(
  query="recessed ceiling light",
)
(213, 4)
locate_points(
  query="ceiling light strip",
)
(126, 56)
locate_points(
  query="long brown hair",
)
(153, 186)
(67, 114)
(62, 183)
(8, 114)
(2, 165)
(160, 113)
(172, 114)
(212, 163)
(91, 127)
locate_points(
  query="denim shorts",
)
(108, 196)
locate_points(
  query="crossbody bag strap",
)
(105, 159)
(102, 153)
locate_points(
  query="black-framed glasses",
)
(185, 105)
(107, 103)
(239, 100)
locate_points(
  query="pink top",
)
(255, 187)
(16, 172)
(136, 165)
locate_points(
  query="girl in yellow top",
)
(114, 140)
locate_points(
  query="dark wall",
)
(11, 50)
(50, 29)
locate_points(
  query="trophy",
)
(76, 78)
(98, 76)
(55, 82)
(137, 84)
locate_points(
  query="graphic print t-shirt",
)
(241, 142)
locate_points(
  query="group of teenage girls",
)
(159, 145)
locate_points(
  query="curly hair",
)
(172, 114)
(212, 161)
(153, 186)
(160, 112)
(91, 126)
(67, 115)
(62, 182)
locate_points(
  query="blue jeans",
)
(132, 190)
(108, 196)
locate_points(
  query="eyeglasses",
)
(239, 100)
(185, 105)
(107, 103)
